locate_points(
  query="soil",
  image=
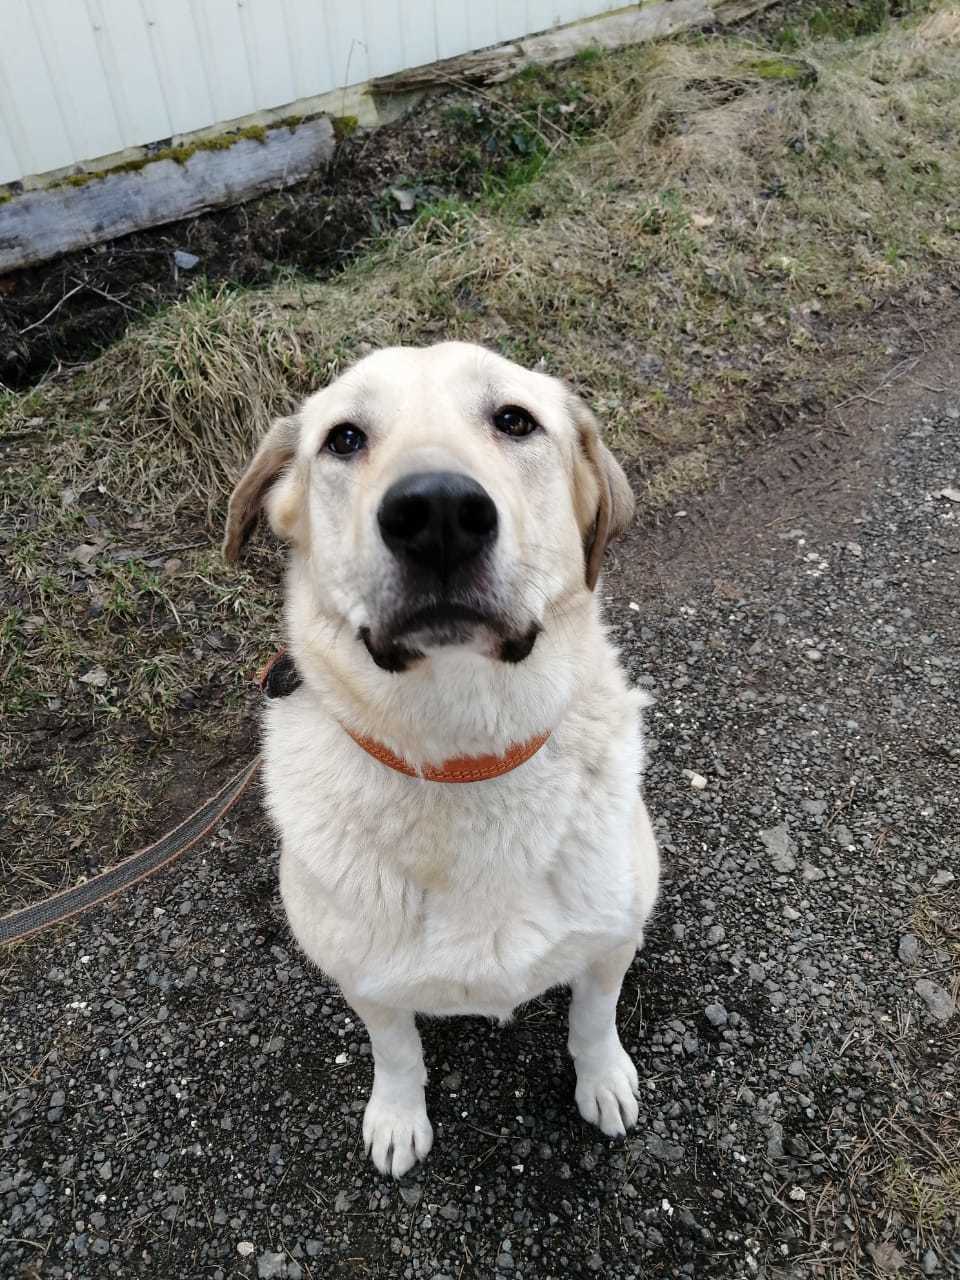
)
(820, 466)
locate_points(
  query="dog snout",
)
(437, 520)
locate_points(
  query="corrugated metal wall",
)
(81, 79)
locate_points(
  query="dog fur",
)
(436, 898)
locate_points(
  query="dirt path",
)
(182, 1095)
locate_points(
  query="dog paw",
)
(396, 1135)
(607, 1093)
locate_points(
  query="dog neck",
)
(452, 703)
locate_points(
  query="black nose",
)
(437, 519)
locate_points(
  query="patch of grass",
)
(925, 1197)
(847, 20)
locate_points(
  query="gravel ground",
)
(182, 1095)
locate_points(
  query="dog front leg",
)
(396, 1130)
(607, 1083)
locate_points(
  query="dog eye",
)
(345, 439)
(513, 421)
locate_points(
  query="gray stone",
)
(269, 1266)
(908, 948)
(716, 1015)
(185, 261)
(778, 844)
(937, 1000)
(668, 1152)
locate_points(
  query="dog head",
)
(438, 496)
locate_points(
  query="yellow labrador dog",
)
(455, 780)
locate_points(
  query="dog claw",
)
(396, 1136)
(607, 1094)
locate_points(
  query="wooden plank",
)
(636, 25)
(40, 225)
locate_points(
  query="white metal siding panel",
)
(76, 75)
(176, 48)
(268, 53)
(130, 71)
(541, 14)
(419, 33)
(481, 25)
(225, 58)
(307, 46)
(10, 169)
(451, 23)
(348, 50)
(34, 122)
(83, 78)
(511, 19)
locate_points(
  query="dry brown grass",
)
(205, 376)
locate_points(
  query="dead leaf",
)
(887, 1257)
(404, 198)
(952, 495)
(86, 552)
(701, 220)
(97, 678)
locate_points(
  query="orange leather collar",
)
(458, 769)
(279, 678)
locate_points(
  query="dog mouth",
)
(442, 623)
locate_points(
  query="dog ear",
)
(603, 497)
(277, 450)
